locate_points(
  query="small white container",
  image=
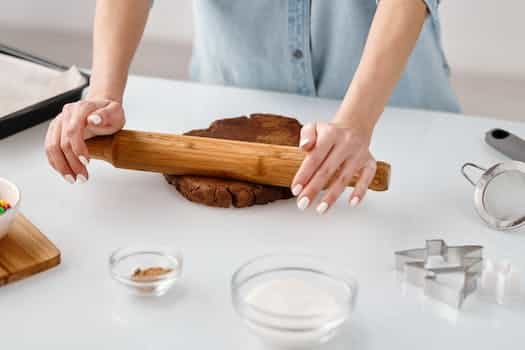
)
(10, 193)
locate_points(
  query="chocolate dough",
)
(262, 128)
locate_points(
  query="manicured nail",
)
(303, 203)
(95, 119)
(354, 202)
(303, 142)
(321, 208)
(81, 179)
(297, 189)
(83, 160)
(69, 179)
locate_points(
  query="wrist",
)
(95, 93)
(359, 109)
(103, 87)
(356, 118)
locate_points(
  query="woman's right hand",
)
(65, 145)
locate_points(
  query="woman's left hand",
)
(335, 154)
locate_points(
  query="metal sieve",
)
(499, 194)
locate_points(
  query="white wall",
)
(169, 19)
(480, 36)
(486, 36)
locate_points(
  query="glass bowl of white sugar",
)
(293, 301)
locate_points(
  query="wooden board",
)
(25, 251)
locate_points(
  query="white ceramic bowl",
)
(10, 193)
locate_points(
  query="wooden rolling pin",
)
(191, 155)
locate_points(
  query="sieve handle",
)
(471, 165)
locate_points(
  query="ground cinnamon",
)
(149, 273)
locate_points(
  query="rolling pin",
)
(191, 155)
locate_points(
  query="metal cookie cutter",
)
(448, 274)
(499, 194)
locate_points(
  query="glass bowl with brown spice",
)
(146, 271)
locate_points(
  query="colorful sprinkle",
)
(4, 205)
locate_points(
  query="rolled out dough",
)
(262, 128)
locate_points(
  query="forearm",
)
(118, 28)
(392, 37)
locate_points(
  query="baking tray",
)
(42, 111)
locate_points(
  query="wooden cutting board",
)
(25, 251)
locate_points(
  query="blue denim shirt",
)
(310, 47)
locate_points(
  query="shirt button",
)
(298, 54)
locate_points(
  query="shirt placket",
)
(299, 46)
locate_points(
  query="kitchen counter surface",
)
(78, 305)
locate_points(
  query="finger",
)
(54, 152)
(313, 160)
(74, 130)
(105, 120)
(78, 169)
(324, 173)
(367, 176)
(48, 143)
(337, 186)
(308, 137)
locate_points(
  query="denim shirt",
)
(310, 47)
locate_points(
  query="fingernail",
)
(95, 119)
(303, 203)
(354, 202)
(321, 208)
(297, 189)
(69, 179)
(83, 160)
(81, 179)
(303, 142)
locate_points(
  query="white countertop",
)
(77, 305)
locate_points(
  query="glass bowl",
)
(293, 301)
(146, 271)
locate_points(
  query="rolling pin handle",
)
(101, 147)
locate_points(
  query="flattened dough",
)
(262, 128)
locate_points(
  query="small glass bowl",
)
(124, 262)
(281, 321)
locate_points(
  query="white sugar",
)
(293, 297)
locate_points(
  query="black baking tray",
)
(42, 111)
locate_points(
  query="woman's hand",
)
(65, 146)
(338, 151)
(335, 154)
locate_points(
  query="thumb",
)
(308, 137)
(106, 120)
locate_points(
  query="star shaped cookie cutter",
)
(448, 274)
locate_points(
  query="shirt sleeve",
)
(432, 6)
